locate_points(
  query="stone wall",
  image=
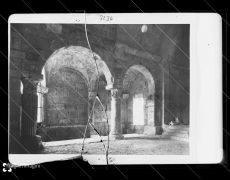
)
(100, 121)
(177, 73)
(67, 99)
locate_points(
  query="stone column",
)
(42, 90)
(92, 96)
(163, 98)
(29, 139)
(125, 99)
(115, 131)
(125, 107)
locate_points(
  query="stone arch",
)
(147, 75)
(103, 70)
(145, 63)
(138, 82)
(77, 57)
(67, 62)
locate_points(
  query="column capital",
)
(42, 89)
(30, 83)
(113, 86)
(117, 84)
(116, 93)
(92, 94)
(125, 96)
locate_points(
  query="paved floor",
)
(132, 144)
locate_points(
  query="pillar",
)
(44, 91)
(91, 96)
(29, 139)
(125, 101)
(163, 98)
(115, 130)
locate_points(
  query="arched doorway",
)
(71, 76)
(138, 99)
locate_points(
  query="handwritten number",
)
(106, 18)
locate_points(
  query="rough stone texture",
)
(33, 44)
(177, 74)
(56, 133)
(139, 83)
(67, 99)
(105, 97)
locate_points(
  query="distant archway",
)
(139, 84)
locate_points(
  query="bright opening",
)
(21, 88)
(39, 104)
(40, 98)
(138, 111)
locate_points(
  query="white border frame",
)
(205, 85)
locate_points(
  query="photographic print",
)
(100, 88)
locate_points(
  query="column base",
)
(115, 136)
(153, 130)
(32, 142)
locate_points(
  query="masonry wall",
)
(67, 99)
(177, 73)
(15, 65)
(100, 114)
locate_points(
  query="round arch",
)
(81, 59)
(147, 75)
(145, 63)
(143, 109)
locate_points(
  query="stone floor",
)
(132, 144)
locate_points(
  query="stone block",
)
(81, 121)
(15, 95)
(80, 107)
(68, 100)
(51, 114)
(15, 84)
(81, 100)
(63, 114)
(55, 28)
(82, 114)
(14, 125)
(15, 73)
(14, 109)
(153, 130)
(58, 107)
(15, 63)
(64, 121)
(139, 129)
(83, 44)
(44, 42)
(73, 114)
(33, 56)
(16, 43)
(68, 106)
(56, 99)
(28, 67)
(85, 107)
(28, 48)
(17, 54)
(15, 34)
(31, 40)
(73, 41)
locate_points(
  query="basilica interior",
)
(113, 80)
